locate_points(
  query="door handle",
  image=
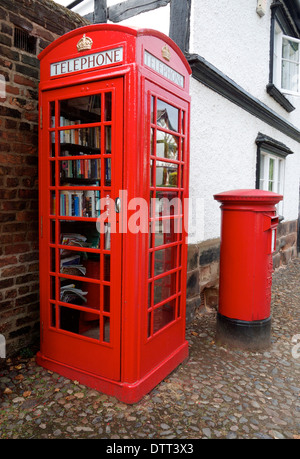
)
(118, 205)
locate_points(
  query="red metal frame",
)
(147, 335)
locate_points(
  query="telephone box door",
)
(80, 246)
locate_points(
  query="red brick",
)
(11, 293)
(19, 79)
(12, 89)
(16, 248)
(8, 261)
(13, 271)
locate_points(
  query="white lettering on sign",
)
(163, 69)
(89, 61)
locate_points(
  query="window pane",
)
(164, 288)
(163, 315)
(166, 174)
(108, 106)
(166, 232)
(79, 203)
(80, 110)
(290, 50)
(86, 170)
(167, 203)
(84, 141)
(165, 260)
(167, 116)
(290, 76)
(262, 172)
(271, 169)
(166, 145)
(75, 321)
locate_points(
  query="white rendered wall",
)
(223, 157)
(234, 38)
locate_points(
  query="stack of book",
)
(81, 169)
(80, 203)
(72, 265)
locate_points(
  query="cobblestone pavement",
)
(217, 393)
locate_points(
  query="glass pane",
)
(167, 116)
(107, 106)
(107, 171)
(81, 110)
(106, 298)
(52, 232)
(106, 329)
(108, 140)
(290, 76)
(52, 203)
(163, 315)
(151, 172)
(52, 173)
(83, 141)
(152, 145)
(150, 288)
(152, 110)
(107, 235)
(165, 260)
(290, 50)
(166, 174)
(166, 145)
(52, 288)
(107, 267)
(80, 264)
(52, 315)
(81, 323)
(52, 260)
(86, 235)
(149, 324)
(85, 170)
(271, 169)
(80, 293)
(79, 203)
(52, 121)
(164, 288)
(165, 231)
(167, 203)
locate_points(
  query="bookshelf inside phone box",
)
(114, 139)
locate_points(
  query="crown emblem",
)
(166, 53)
(84, 43)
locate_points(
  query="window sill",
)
(279, 97)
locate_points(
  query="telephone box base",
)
(252, 336)
(125, 392)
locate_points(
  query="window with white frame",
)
(271, 175)
(270, 168)
(286, 62)
(271, 172)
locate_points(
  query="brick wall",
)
(42, 21)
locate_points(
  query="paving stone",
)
(217, 393)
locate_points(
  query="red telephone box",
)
(248, 240)
(114, 139)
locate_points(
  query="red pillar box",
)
(248, 239)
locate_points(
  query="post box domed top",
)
(97, 47)
(248, 197)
